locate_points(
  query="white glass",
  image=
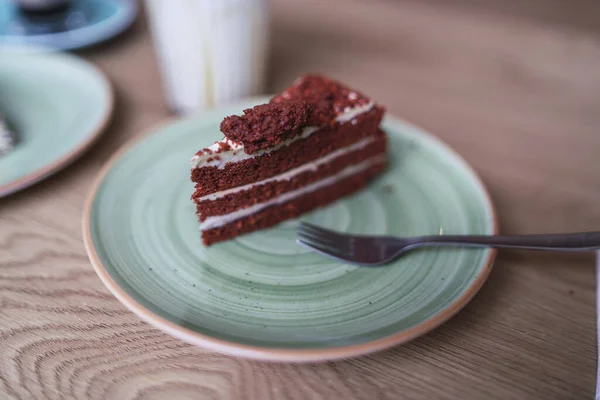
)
(210, 52)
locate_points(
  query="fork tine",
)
(341, 247)
(331, 252)
(330, 246)
(319, 236)
(314, 228)
(316, 235)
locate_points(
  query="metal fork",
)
(379, 250)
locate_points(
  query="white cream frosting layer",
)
(286, 176)
(351, 113)
(236, 152)
(221, 220)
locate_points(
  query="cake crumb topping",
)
(267, 125)
(328, 97)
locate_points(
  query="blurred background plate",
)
(263, 296)
(57, 104)
(86, 22)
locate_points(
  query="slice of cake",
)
(312, 144)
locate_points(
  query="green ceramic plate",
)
(57, 103)
(262, 295)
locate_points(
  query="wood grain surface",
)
(513, 86)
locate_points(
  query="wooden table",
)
(513, 86)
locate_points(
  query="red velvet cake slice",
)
(312, 144)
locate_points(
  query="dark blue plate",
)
(84, 23)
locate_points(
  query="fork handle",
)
(560, 241)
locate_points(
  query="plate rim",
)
(69, 157)
(235, 349)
